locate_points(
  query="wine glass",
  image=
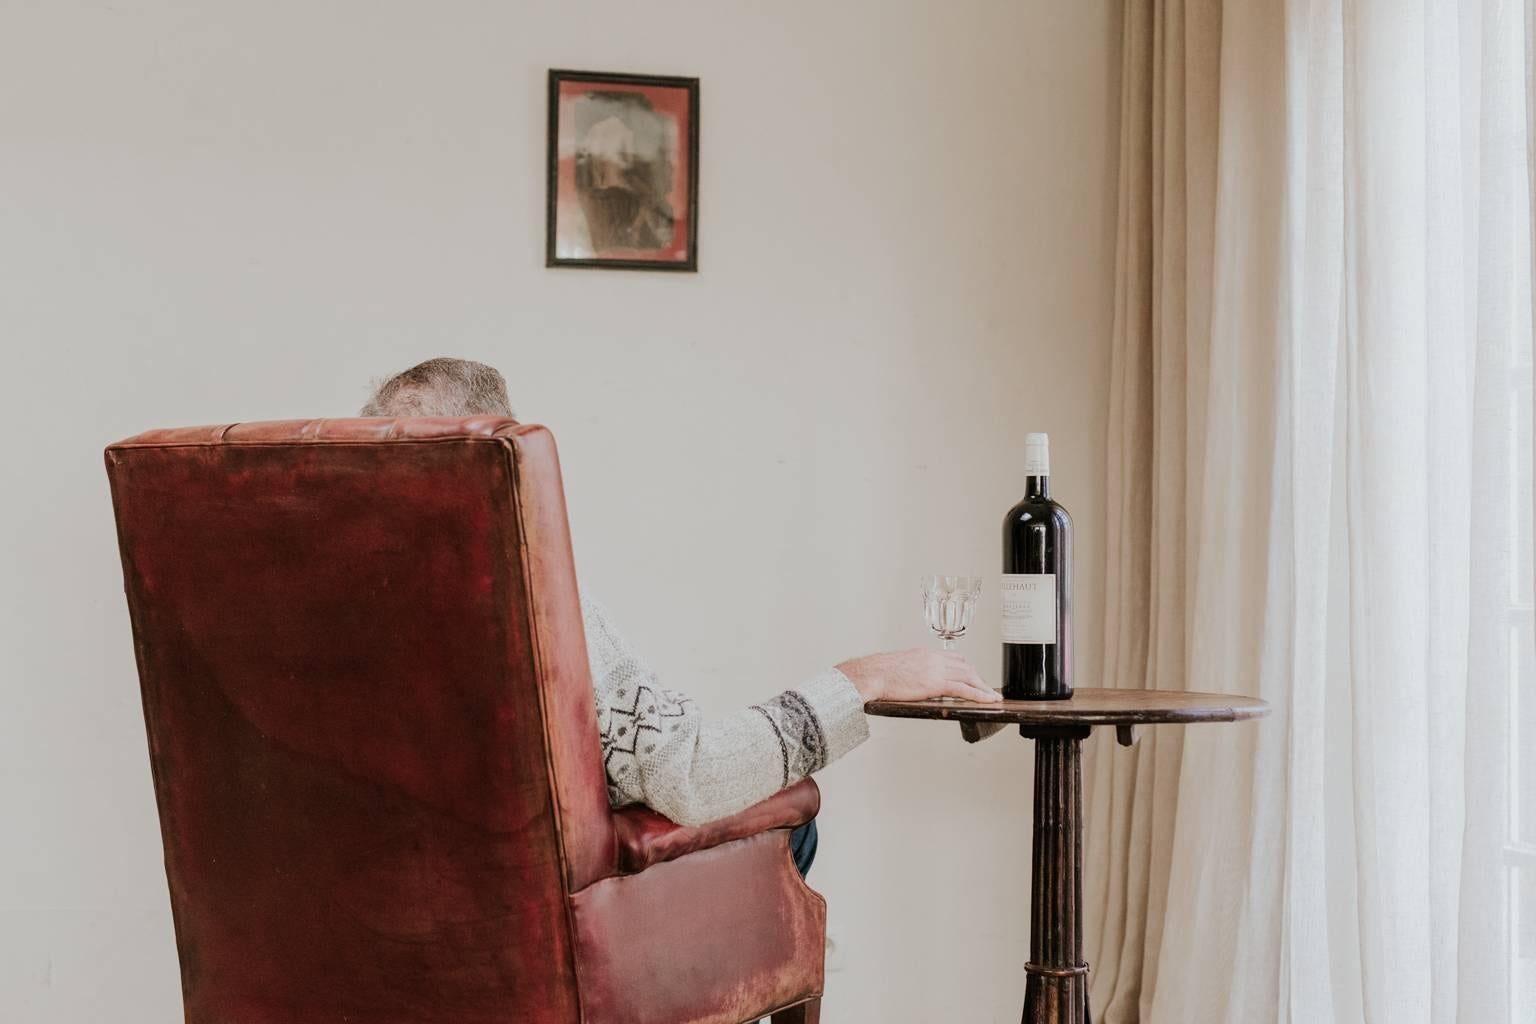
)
(949, 604)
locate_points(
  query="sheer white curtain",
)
(1320, 494)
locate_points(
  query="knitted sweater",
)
(659, 750)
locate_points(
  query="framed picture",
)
(623, 171)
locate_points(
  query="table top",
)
(1085, 707)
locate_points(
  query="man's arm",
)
(659, 750)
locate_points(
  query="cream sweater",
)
(659, 750)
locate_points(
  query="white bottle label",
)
(1029, 608)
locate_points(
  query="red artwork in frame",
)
(623, 171)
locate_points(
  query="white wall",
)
(229, 210)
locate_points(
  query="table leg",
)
(1056, 991)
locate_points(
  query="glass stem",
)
(949, 643)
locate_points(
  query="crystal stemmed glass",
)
(949, 604)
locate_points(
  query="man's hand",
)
(917, 674)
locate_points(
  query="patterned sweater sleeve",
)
(659, 750)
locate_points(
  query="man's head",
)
(441, 387)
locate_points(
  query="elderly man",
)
(657, 748)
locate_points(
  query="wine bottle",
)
(1037, 586)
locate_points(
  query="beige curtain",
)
(1169, 109)
(1315, 422)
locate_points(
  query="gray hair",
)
(441, 387)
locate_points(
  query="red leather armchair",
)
(376, 758)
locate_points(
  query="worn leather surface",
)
(373, 742)
(721, 936)
(321, 430)
(563, 680)
(646, 838)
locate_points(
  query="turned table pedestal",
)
(1056, 990)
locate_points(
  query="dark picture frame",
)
(623, 171)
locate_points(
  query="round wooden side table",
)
(1056, 989)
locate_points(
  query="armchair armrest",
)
(646, 838)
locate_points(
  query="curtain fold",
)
(1163, 257)
(1322, 321)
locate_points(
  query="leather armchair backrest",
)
(369, 714)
